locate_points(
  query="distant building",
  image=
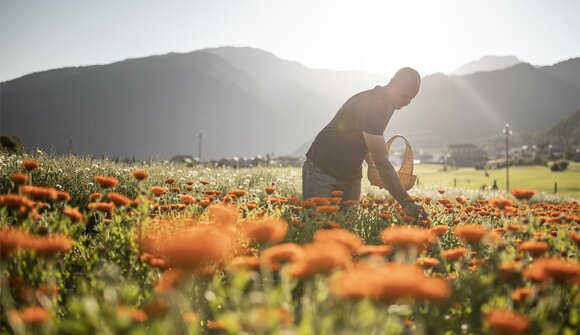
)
(466, 155)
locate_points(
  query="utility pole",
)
(200, 137)
(507, 133)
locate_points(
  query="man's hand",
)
(414, 210)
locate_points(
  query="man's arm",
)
(379, 154)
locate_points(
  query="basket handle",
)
(408, 151)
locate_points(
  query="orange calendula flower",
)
(389, 282)
(30, 165)
(274, 256)
(454, 254)
(327, 209)
(106, 207)
(535, 248)
(245, 262)
(501, 203)
(14, 239)
(439, 230)
(158, 190)
(240, 193)
(559, 269)
(523, 193)
(270, 189)
(506, 321)
(471, 233)
(342, 236)
(30, 315)
(187, 199)
(320, 257)
(574, 237)
(170, 181)
(94, 196)
(337, 193)
(118, 199)
(374, 250)
(508, 270)
(19, 178)
(106, 182)
(140, 174)
(73, 214)
(266, 230)
(37, 192)
(521, 294)
(407, 236)
(427, 262)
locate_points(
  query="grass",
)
(539, 178)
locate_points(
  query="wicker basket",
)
(405, 172)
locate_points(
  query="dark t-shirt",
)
(339, 149)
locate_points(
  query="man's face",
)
(401, 97)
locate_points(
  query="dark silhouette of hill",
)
(249, 102)
(486, 63)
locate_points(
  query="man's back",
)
(339, 148)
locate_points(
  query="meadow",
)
(95, 247)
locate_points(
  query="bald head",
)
(408, 80)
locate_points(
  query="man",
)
(334, 160)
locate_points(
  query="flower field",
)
(96, 247)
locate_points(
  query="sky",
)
(361, 35)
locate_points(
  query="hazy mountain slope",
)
(486, 63)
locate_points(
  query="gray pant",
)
(316, 183)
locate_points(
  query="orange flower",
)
(187, 199)
(240, 193)
(453, 254)
(285, 252)
(342, 236)
(374, 250)
(320, 257)
(267, 230)
(16, 201)
(389, 282)
(559, 269)
(506, 321)
(73, 214)
(106, 182)
(535, 248)
(327, 209)
(19, 178)
(118, 199)
(439, 230)
(106, 207)
(523, 193)
(204, 202)
(270, 189)
(14, 239)
(158, 190)
(140, 174)
(251, 205)
(501, 203)
(30, 315)
(37, 192)
(407, 236)
(94, 196)
(337, 193)
(521, 294)
(195, 247)
(63, 196)
(574, 237)
(170, 181)
(427, 262)
(471, 233)
(204, 182)
(30, 165)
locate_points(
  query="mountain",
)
(486, 63)
(249, 102)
